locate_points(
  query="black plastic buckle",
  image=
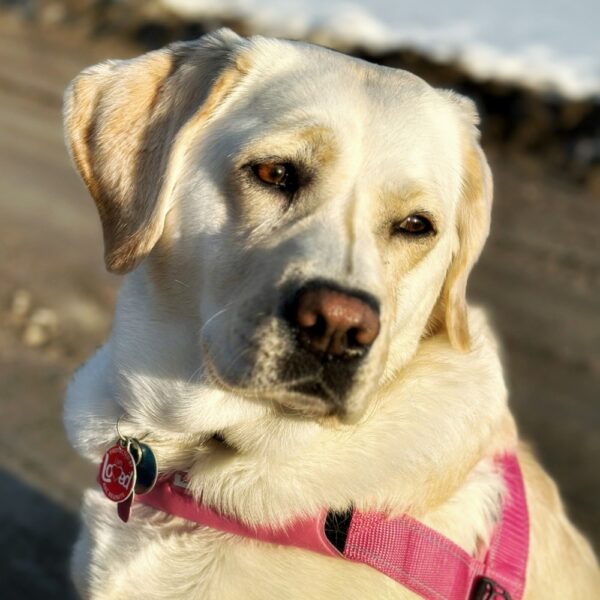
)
(488, 589)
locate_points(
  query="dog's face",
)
(323, 213)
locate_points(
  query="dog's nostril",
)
(334, 323)
(354, 338)
(312, 322)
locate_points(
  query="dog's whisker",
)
(213, 317)
(243, 352)
(192, 377)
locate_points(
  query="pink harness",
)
(409, 552)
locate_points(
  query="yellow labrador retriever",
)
(297, 227)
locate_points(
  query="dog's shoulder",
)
(556, 547)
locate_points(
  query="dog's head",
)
(322, 213)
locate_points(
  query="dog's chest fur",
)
(154, 556)
(389, 462)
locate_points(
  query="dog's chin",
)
(290, 401)
(306, 399)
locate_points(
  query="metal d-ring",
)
(122, 437)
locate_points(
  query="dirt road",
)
(540, 278)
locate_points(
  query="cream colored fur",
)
(163, 143)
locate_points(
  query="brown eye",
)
(273, 173)
(281, 175)
(416, 225)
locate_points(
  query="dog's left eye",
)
(280, 175)
(416, 225)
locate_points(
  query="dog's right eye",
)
(280, 175)
(415, 225)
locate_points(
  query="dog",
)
(297, 228)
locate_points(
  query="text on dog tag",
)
(117, 473)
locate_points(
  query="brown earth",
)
(539, 278)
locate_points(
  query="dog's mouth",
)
(220, 443)
(307, 395)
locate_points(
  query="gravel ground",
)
(539, 278)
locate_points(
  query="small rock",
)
(35, 336)
(45, 317)
(21, 304)
(53, 13)
(41, 329)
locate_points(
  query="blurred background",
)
(533, 69)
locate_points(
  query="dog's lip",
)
(220, 441)
(289, 401)
(282, 396)
(303, 405)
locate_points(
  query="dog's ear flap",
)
(473, 225)
(123, 120)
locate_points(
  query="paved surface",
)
(540, 278)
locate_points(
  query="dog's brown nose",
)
(334, 322)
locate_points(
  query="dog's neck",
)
(419, 444)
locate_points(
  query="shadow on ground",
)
(35, 540)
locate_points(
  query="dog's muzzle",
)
(333, 329)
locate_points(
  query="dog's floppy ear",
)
(473, 225)
(123, 124)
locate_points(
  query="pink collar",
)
(404, 549)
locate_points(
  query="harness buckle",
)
(488, 589)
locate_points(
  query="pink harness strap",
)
(404, 549)
(171, 498)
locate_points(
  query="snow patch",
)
(549, 45)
